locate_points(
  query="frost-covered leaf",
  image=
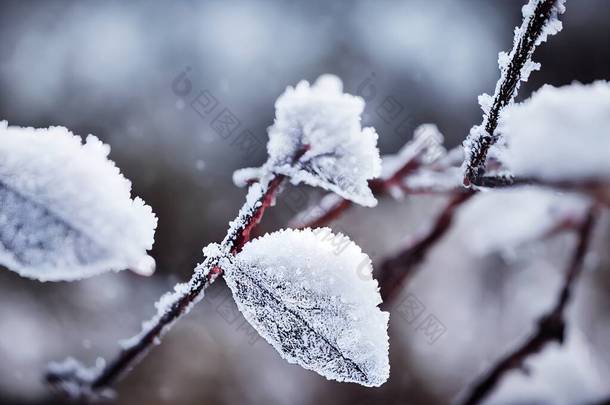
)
(65, 209)
(560, 133)
(502, 220)
(311, 295)
(340, 156)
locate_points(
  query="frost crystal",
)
(65, 209)
(560, 133)
(311, 295)
(324, 123)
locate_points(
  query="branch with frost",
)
(66, 211)
(551, 326)
(539, 149)
(328, 321)
(540, 19)
(558, 138)
(598, 189)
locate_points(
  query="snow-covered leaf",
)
(321, 120)
(65, 209)
(560, 133)
(503, 220)
(311, 295)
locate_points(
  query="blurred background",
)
(151, 78)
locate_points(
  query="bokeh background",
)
(128, 72)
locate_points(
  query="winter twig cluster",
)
(318, 307)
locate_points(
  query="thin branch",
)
(74, 382)
(394, 271)
(599, 189)
(551, 326)
(525, 42)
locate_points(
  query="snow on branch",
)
(66, 211)
(559, 134)
(540, 19)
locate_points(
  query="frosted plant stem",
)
(506, 89)
(551, 326)
(595, 188)
(72, 382)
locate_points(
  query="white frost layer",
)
(311, 295)
(341, 156)
(560, 133)
(65, 209)
(506, 219)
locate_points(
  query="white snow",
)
(311, 295)
(560, 133)
(66, 211)
(245, 176)
(553, 25)
(503, 220)
(341, 156)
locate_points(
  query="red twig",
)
(395, 270)
(73, 381)
(319, 216)
(551, 326)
